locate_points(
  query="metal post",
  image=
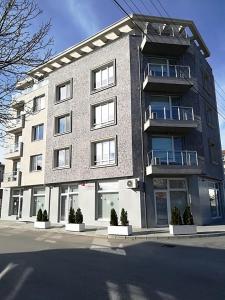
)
(192, 111)
(182, 158)
(178, 110)
(167, 157)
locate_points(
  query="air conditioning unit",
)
(132, 183)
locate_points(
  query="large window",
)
(103, 114)
(38, 200)
(63, 124)
(62, 158)
(64, 91)
(68, 199)
(37, 132)
(214, 199)
(36, 162)
(107, 198)
(104, 152)
(38, 103)
(103, 77)
(169, 193)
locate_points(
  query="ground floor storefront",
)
(148, 205)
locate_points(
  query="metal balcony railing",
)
(165, 70)
(11, 177)
(176, 158)
(167, 30)
(180, 113)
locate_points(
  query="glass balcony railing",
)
(179, 113)
(169, 158)
(13, 148)
(165, 70)
(11, 177)
(167, 30)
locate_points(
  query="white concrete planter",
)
(75, 227)
(120, 230)
(42, 225)
(182, 229)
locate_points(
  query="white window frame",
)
(69, 129)
(217, 200)
(99, 192)
(56, 158)
(36, 163)
(102, 162)
(109, 122)
(34, 195)
(38, 106)
(106, 67)
(37, 127)
(69, 90)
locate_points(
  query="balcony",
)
(163, 39)
(172, 163)
(14, 151)
(16, 125)
(174, 119)
(12, 179)
(169, 78)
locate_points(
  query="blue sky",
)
(74, 20)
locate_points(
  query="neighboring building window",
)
(107, 198)
(104, 153)
(103, 114)
(38, 200)
(62, 158)
(213, 152)
(37, 132)
(38, 103)
(68, 198)
(36, 162)
(214, 199)
(64, 91)
(63, 124)
(103, 77)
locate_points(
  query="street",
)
(43, 265)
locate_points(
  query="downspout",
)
(142, 139)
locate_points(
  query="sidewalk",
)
(101, 232)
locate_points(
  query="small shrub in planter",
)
(78, 216)
(124, 228)
(42, 220)
(75, 221)
(176, 227)
(71, 216)
(113, 218)
(187, 216)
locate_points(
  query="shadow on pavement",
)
(142, 271)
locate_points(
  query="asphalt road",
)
(51, 266)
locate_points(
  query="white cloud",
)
(83, 14)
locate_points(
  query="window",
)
(214, 199)
(207, 81)
(103, 77)
(36, 162)
(16, 203)
(63, 124)
(38, 200)
(38, 103)
(213, 152)
(103, 114)
(37, 132)
(107, 198)
(210, 116)
(62, 158)
(68, 198)
(104, 153)
(64, 91)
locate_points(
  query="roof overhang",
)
(104, 37)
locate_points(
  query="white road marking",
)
(19, 284)
(50, 241)
(135, 292)
(113, 290)
(105, 246)
(8, 268)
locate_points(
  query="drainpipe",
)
(142, 139)
(49, 200)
